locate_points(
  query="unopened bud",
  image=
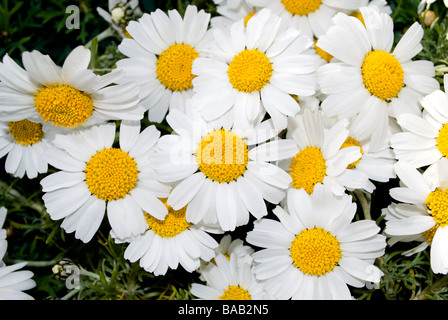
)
(63, 269)
(428, 17)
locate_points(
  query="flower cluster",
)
(279, 112)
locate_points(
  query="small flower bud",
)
(428, 17)
(63, 269)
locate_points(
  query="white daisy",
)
(232, 11)
(24, 143)
(67, 97)
(12, 281)
(95, 177)
(312, 17)
(227, 247)
(169, 243)
(255, 69)
(160, 57)
(422, 214)
(229, 280)
(314, 154)
(119, 14)
(424, 139)
(215, 170)
(315, 251)
(369, 81)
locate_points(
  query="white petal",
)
(78, 59)
(129, 132)
(409, 45)
(439, 252)
(185, 191)
(226, 207)
(149, 203)
(60, 180)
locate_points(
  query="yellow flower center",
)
(442, 140)
(250, 70)
(111, 174)
(235, 293)
(63, 105)
(382, 74)
(26, 132)
(301, 7)
(323, 54)
(173, 224)
(315, 251)
(222, 156)
(437, 203)
(174, 67)
(350, 142)
(247, 18)
(307, 168)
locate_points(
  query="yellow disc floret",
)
(63, 105)
(25, 132)
(350, 142)
(250, 70)
(222, 156)
(315, 251)
(235, 293)
(442, 140)
(437, 204)
(173, 224)
(301, 7)
(174, 67)
(307, 168)
(382, 74)
(111, 174)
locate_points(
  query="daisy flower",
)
(255, 69)
(232, 11)
(369, 81)
(24, 143)
(119, 14)
(160, 57)
(169, 243)
(68, 97)
(12, 281)
(422, 214)
(424, 139)
(214, 170)
(227, 247)
(95, 177)
(312, 17)
(229, 280)
(315, 251)
(314, 154)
